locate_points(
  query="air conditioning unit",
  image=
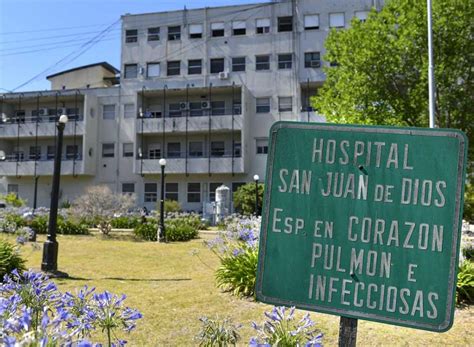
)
(183, 105)
(43, 111)
(223, 75)
(61, 111)
(205, 105)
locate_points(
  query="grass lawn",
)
(173, 287)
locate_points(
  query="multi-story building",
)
(198, 87)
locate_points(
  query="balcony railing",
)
(39, 119)
(43, 167)
(191, 155)
(24, 126)
(192, 113)
(192, 165)
(44, 157)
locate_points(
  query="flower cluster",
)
(282, 329)
(34, 312)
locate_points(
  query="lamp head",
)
(162, 162)
(63, 119)
(256, 177)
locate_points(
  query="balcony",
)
(197, 122)
(18, 166)
(192, 165)
(26, 126)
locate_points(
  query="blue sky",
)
(37, 34)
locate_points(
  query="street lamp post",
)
(161, 227)
(50, 248)
(256, 178)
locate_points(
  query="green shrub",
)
(65, 204)
(238, 270)
(10, 259)
(125, 222)
(172, 206)
(465, 283)
(244, 199)
(15, 218)
(218, 333)
(13, 200)
(180, 231)
(68, 227)
(40, 224)
(146, 231)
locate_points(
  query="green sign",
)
(363, 222)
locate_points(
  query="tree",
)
(381, 72)
(244, 198)
(100, 205)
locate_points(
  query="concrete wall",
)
(92, 77)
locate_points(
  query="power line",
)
(52, 29)
(54, 37)
(84, 46)
(51, 48)
(50, 44)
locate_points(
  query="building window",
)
(131, 36)
(217, 148)
(237, 185)
(174, 110)
(194, 67)
(174, 33)
(131, 71)
(312, 60)
(72, 152)
(218, 108)
(262, 62)
(151, 194)
(129, 111)
(262, 146)
(217, 65)
(194, 192)
(285, 104)
(127, 150)
(195, 31)
(285, 24)
(263, 25)
(195, 109)
(108, 111)
(285, 61)
(50, 152)
(128, 188)
(263, 105)
(212, 190)
(196, 149)
(238, 64)
(174, 150)
(153, 69)
(237, 149)
(154, 151)
(12, 188)
(217, 29)
(362, 15)
(173, 68)
(171, 191)
(237, 107)
(35, 152)
(153, 34)
(311, 22)
(108, 150)
(336, 20)
(238, 28)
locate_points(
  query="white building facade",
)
(200, 88)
